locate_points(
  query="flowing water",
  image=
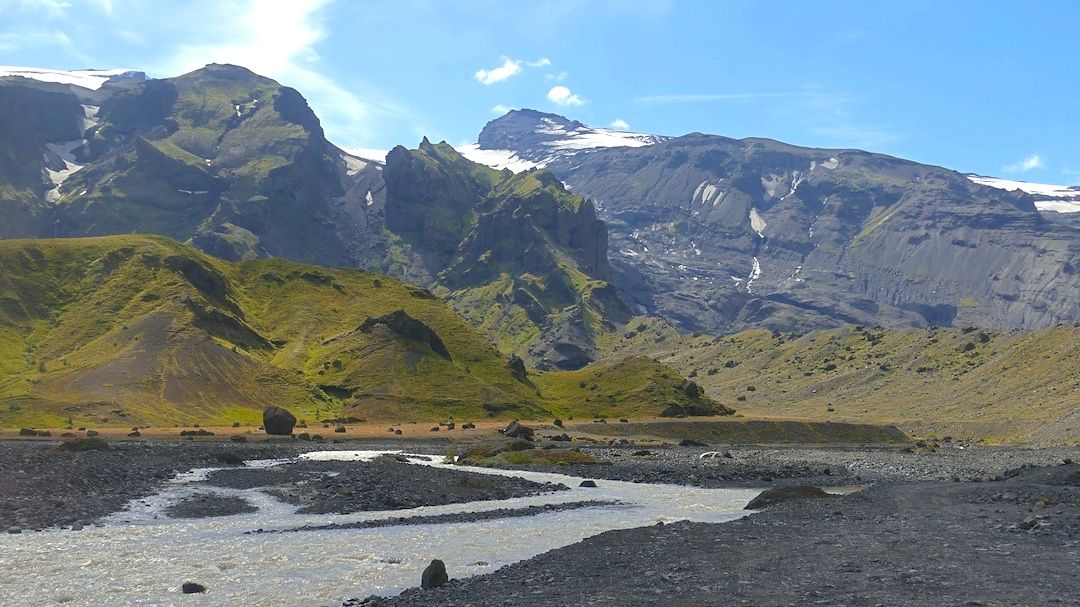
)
(141, 557)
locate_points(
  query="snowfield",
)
(1070, 194)
(87, 79)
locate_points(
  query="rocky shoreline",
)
(1014, 541)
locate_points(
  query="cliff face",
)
(517, 254)
(719, 234)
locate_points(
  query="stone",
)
(591, 484)
(776, 495)
(516, 430)
(192, 588)
(14, 530)
(435, 575)
(689, 442)
(278, 421)
(340, 429)
(134, 434)
(27, 432)
(230, 458)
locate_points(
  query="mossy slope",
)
(130, 330)
(1000, 385)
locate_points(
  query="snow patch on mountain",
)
(496, 159)
(370, 154)
(525, 139)
(1068, 197)
(87, 79)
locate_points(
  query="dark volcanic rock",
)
(488, 448)
(517, 430)
(192, 588)
(407, 327)
(278, 421)
(434, 575)
(776, 495)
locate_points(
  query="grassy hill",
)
(998, 385)
(128, 330)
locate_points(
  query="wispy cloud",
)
(560, 95)
(500, 109)
(507, 70)
(1024, 165)
(559, 77)
(282, 44)
(620, 124)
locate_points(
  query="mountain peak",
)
(526, 138)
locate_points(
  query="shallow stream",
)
(140, 556)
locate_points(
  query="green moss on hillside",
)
(132, 330)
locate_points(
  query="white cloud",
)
(281, 43)
(620, 124)
(500, 109)
(507, 70)
(560, 95)
(1024, 165)
(541, 62)
(556, 77)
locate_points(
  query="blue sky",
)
(985, 87)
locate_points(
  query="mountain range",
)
(549, 235)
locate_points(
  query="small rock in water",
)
(14, 530)
(192, 588)
(587, 484)
(435, 575)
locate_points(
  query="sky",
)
(982, 87)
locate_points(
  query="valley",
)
(563, 365)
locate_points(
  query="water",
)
(141, 557)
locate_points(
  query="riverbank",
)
(1008, 542)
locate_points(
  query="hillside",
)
(979, 383)
(517, 254)
(131, 330)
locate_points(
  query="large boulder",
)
(776, 495)
(278, 421)
(435, 575)
(489, 448)
(516, 430)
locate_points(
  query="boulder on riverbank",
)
(489, 448)
(278, 421)
(435, 575)
(776, 495)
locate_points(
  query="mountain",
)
(239, 166)
(524, 139)
(130, 330)
(517, 254)
(720, 234)
(1058, 203)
